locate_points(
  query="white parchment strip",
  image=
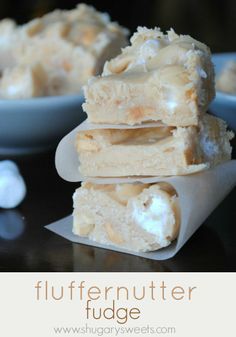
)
(67, 159)
(199, 194)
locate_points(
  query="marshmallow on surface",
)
(12, 185)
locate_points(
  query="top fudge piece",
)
(160, 77)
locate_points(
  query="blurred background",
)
(210, 21)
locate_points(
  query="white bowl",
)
(224, 105)
(36, 125)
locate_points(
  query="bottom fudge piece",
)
(138, 217)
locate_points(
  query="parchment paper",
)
(199, 194)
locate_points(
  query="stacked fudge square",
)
(150, 108)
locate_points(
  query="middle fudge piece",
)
(153, 151)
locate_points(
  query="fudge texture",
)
(139, 217)
(70, 45)
(23, 82)
(153, 151)
(159, 77)
(226, 81)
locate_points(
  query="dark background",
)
(210, 21)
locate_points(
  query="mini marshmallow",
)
(12, 185)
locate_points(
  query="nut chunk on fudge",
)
(159, 77)
(153, 151)
(139, 217)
